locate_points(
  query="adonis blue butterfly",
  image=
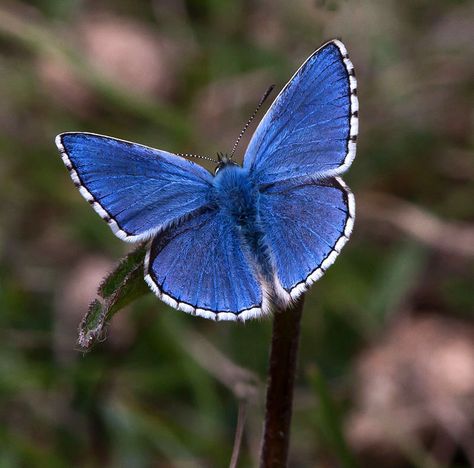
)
(232, 245)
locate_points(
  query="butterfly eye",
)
(220, 166)
(224, 161)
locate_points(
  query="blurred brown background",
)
(386, 375)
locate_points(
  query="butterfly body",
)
(238, 199)
(232, 245)
(235, 194)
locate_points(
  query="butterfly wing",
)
(200, 267)
(305, 140)
(137, 190)
(306, 225)
(311, 127)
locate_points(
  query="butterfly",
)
(235, 244)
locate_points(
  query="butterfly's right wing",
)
(137, 190)
(199, 266)
(311, 127)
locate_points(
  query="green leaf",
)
(133, 261)
(119, 288)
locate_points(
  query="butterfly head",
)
(223, 160)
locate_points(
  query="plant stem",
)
(283, 357)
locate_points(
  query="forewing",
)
(311, 127)
(306, 225)
(200, 267)
(138, 190)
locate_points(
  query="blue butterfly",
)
(232, 245)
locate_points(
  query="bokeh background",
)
(386, 373)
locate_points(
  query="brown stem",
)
(283, 357)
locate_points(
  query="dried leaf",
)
(119, 288)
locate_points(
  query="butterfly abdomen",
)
(238, 198)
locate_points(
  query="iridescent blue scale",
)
(235, 244)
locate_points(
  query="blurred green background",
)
(386, 373)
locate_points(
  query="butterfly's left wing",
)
(311, 127)
(303, 143)
(137, 190)
(306, 224)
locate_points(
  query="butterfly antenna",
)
(187, 155)
(260, 104)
